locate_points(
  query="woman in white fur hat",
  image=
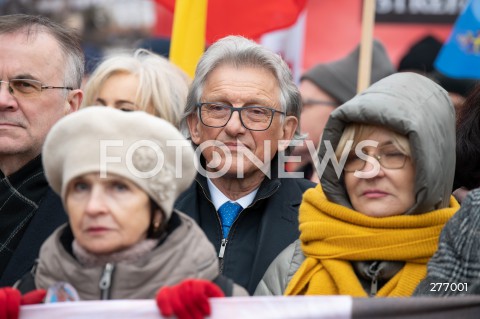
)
(118, 174)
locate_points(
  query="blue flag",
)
(460, 55)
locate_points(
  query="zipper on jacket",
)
(223, 246)
(373, 272)
(106, 281)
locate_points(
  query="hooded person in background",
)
(124, 239)
(420, 58)
(323, 88)
(371, 225)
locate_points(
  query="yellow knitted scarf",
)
(333, 235)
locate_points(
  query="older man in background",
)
(41, 69)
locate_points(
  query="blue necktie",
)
(228, 212)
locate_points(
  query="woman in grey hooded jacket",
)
(372, 234)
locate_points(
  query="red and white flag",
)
(248, 18)
(289, 43)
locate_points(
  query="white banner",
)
(288, 43)
(331, 307)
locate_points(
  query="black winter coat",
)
(260, 232)
(49, 215)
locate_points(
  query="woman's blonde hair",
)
(161, 84)
(358, 132)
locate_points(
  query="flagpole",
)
(188, 34)
(366, 44)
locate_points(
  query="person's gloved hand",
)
(188, 299)
(11, 299)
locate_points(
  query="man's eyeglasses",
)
(28, 87)
(388, 156)
(254, 118)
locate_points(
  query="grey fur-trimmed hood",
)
(412, 105)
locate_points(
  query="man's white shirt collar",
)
(218, 198)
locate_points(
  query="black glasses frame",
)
(238, 109)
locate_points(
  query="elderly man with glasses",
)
(242, 112)
(41, 69)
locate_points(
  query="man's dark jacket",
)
(260, 232)
(49, 215)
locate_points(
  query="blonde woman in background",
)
(142, 81)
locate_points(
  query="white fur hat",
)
(145, 149)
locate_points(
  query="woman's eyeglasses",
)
(388, 156)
